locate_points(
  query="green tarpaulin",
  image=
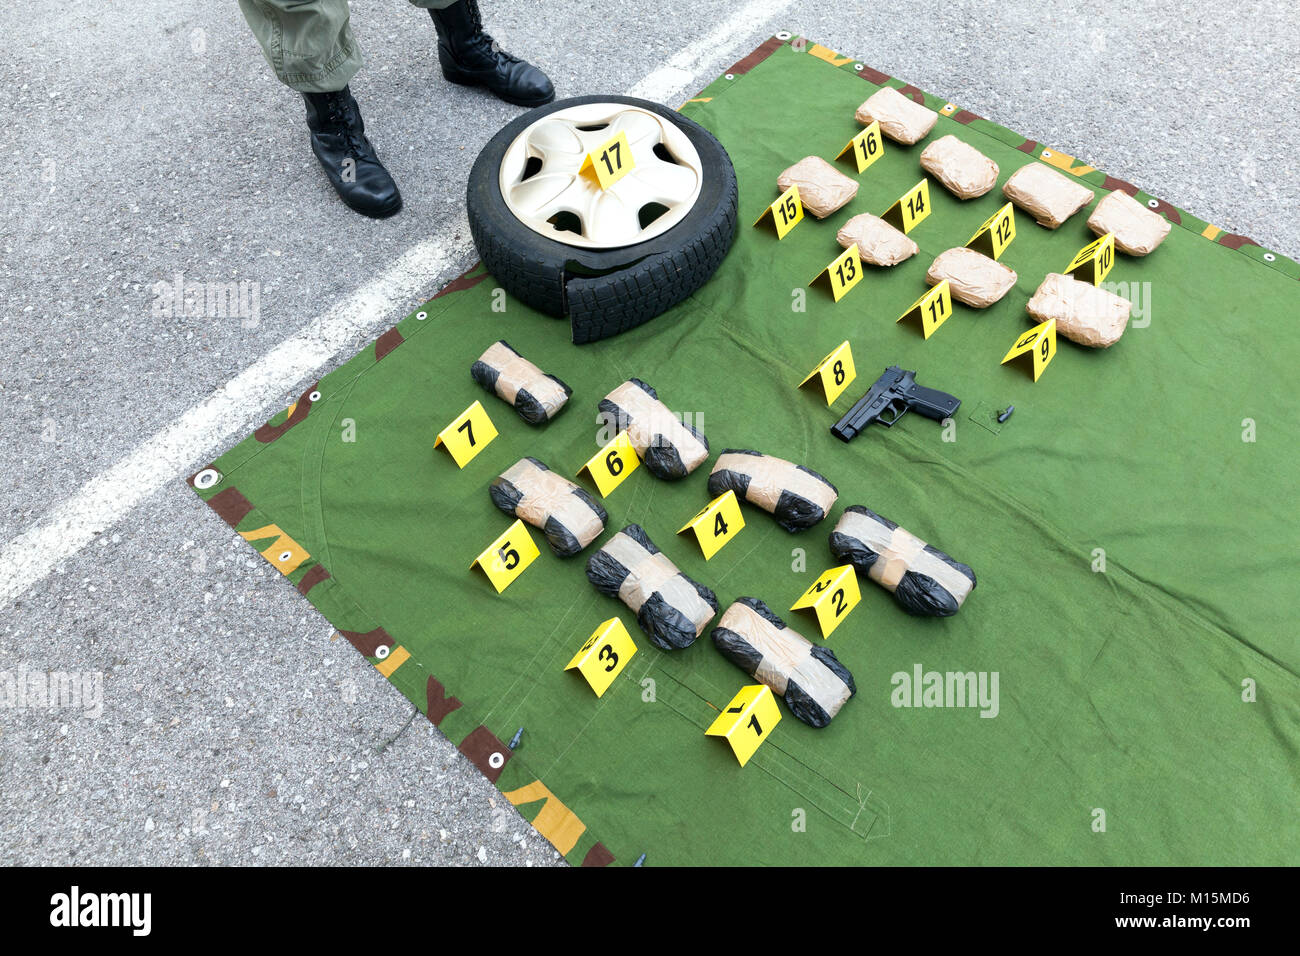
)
(1129, 527)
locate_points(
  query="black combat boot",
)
(472, 58)
(338, 138)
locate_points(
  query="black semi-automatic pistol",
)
(889, 399)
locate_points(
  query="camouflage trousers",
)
(309, 43)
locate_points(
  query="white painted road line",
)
(681, 70)
(227, 413)
(242, 403)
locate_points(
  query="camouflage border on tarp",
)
(547, 813)
(509, 773)
(1047, 154)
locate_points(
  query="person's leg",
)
(472, 58)
(309, 43)
(310, 46)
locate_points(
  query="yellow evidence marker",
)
(867, 147)
(610, 163)
(604, 655)
(996, 234)
(506, 558)
(834, 373)
(932, 310)
(843, 273)
(1039, 342)
(609, 466)
(716, 523)
(747, 720)
(911, 208)
(784, 214)
(468, 434)
(831, 597)
(1094, 260)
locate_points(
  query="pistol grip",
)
(932, 403)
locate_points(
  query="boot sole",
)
(383, 213)
(465, 79)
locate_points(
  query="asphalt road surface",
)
(145, 146)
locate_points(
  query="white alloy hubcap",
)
(542, 187)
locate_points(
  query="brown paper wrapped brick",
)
(901, 119)
(964, 170)
(569, 517)
(1050, 197)
(822, 188)
(975, 279)
(1138, 230)
(669, 447)
(795, 495)
(924, 581)
(1084, 313)
(811, 679)
(671, 608)
(535, 395)
(879, 243)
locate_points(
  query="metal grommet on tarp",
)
(496, 761)
(783, 35)
(206, 478)
(421, 316)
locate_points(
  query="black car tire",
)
(603, 291)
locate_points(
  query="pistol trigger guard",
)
(897, 409)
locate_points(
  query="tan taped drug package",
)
(924, 580)
(1084, 313)
(535, 395)
(796, 496)
(1049, 196)
(670, 607)
(901, 119)
(879, 243)
(568, 515)
(964, 170)
(670, 448)
(1138, 230)
(822, 188)
(974, 278)
(812, 681)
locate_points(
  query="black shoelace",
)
(342, 112)
(484, 40)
